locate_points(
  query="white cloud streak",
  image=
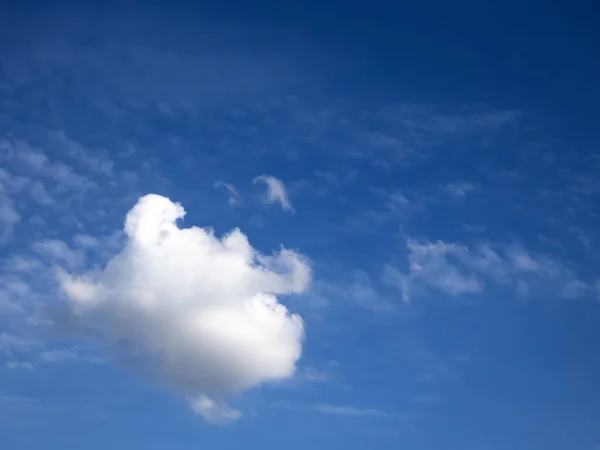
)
(198, 310)
(276, 192)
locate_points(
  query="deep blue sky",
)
(442, 162)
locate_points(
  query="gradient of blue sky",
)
(442, 162)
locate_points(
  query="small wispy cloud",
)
(456, 270)
(58, 252)
(215, 413)
(353, 411)
(235, 198)
(308, 376)
(92, 160)
(356, 288)
(9, 217)
(458, 190)
(37, 175)
(276, 191)
(40, 194)
(428, 119)
(398, 203)
(19, 365)
(425, 399)
(11, 342)
(57, 356)
(429, 267)
(38, 162)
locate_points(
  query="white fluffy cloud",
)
(198, 310)
(276, 192)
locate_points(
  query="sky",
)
(336, 225)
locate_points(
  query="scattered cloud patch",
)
(458, 270)
(429, 266)
(427, 120)
(276, 192)
(40, 194)
(308, 375)
(36, 175)
(94, 161)
(11, 342)
(12, 293)
(38, 162)
(399, 203)
(56, 356)
(199, 311)
(58, 253)
(23, 264)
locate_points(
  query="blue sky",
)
(417, 181)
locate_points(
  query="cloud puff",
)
(276, 192)
(198, 310)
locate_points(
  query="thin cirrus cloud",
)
(201, 311)
(276, 191)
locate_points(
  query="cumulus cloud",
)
(198, 310)
(276, 192)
